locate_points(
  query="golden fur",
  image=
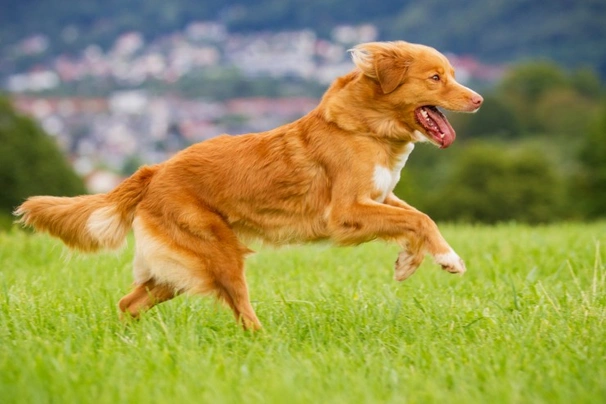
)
(327, 176)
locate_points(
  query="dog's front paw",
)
(406, 265)
(451, 262)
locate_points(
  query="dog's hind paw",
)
(406, 265)
(451, 262)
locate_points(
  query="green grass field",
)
(526, 324)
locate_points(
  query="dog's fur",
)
(327, 176)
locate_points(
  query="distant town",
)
(107, 136)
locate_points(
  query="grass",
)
(525, 324)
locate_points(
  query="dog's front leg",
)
(408, 261)
(413, 230)
(393, 200)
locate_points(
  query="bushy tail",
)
(89, 222)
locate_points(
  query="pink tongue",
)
(444, 125)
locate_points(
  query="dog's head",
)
(408, 83)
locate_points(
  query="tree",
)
(547, 99)
(526, 84)
(564, 111)
(30, 162)
(591, 183)
(491, 184)
(587, 83)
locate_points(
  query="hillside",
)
(570, 32)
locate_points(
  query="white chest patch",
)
(385, 179)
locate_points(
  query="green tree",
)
(587, 83)
(591, 183)
(524, 86)
(491, 184)
(564, 111)
(545, 98)
(30, 162)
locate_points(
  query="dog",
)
(329, 176)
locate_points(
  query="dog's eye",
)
(435, 77)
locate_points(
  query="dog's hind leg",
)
(200, 255)
(144, 296)
(149, 290)
(221, 270)
(225, 259)
(232, 290)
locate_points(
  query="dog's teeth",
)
(442, 135)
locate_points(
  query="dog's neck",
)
(345, 105)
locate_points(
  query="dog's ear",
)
(386, 62)
(389, 73)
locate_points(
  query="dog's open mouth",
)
(437, 128)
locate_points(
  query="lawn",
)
(526, 324)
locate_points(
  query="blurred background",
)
(90, 90)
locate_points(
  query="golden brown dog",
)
(327, 176)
